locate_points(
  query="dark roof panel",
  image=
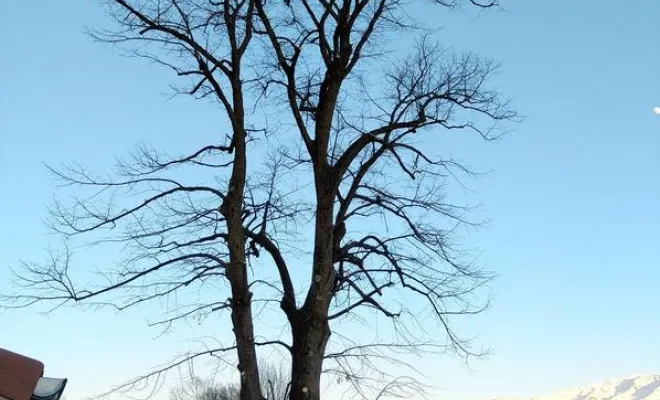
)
(49, 389)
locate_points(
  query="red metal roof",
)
(18, 375)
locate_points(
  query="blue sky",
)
(573, 197)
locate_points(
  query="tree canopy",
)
(326, 195)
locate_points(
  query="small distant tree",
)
(351, 164)
(274, 380)
(200, 389)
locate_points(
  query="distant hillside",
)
(632, 388)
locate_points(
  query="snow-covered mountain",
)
(645, 387)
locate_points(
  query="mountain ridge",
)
(634, 387)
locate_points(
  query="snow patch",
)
(646, 387)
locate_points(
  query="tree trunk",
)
(310, 337)
(241, 300)
(310, 329)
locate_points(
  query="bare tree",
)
(360, 173)
(199, 389)
(274, 379)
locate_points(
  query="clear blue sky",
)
(574, 197)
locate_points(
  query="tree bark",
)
(310, 337)
(241, 301)
(310, 329)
